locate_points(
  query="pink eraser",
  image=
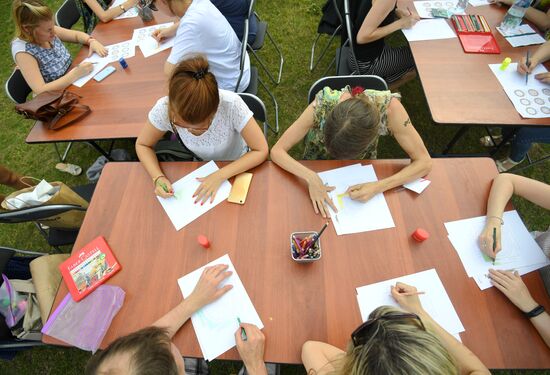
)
(420, 235)
(203, 241)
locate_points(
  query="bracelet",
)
(122, 7)
(496, 217)
(535, 312)
(156, 179)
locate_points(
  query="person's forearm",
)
(418, 168)
(468, 362)
(248, 161)
(500, 194)
(542, 53)
(542, 324)
(379, 33)
(148, 158)
(176, 317)
(289, 164)
(538, 17)
(256, 368)
(59, 84)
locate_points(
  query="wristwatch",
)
(122, 7)
(535, 312)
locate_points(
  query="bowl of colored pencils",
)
(305, 247)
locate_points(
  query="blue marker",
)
(123, 63)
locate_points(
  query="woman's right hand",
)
(407, 297)
(486, 242)
(83, 69)
(409, 21)
(163, 33)
(523, 68)
(163, 187)
(318, 193)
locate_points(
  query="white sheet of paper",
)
(531, 100)
(98, 66)
(353, 216)
(478, 3)
(429, 30)
(181, 208)
(523, 35)
(435, 301)
(130, 13)
(126, 49)
(519, 249)
(418, 186)
(424, 8)
(143, 32)
(216, 323)
(149, 46)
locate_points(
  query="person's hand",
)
(502, 2)
(363, 192)
(523, 68)
(251, 350)
(407, 297)
(486, 242)
(543, 77)
(163, 33)
(208, 288)
(318, 193)
(163, 187)
(513, 287)
(98, 48)
(400, 12)
(82, 69)
(409, 21)
(208, 187)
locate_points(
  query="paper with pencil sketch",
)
(519, 250)
(435, 299)
(216, 323)
(424, 7)
(125, 49)
(148, 45)
(181, 208)
(130, 13)
(354, 216)
(97, 67)
(429, 30)
(532, 98)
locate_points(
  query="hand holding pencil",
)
(407, 297)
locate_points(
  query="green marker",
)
(243, 332)
(164, 187)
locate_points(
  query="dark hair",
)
(149, 349)
(193, 91)
(351, 127)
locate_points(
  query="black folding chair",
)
(347, 48)
(331, 24)
(67, 14)
(257, 107)
(339, 82)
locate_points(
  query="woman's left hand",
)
(363, 192)
(98, 48)
(208, 187)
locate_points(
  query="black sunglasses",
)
(361, 334)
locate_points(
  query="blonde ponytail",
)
(27, 15)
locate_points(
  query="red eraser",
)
(420, 235)
(203, 241)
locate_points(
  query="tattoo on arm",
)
(407, 122)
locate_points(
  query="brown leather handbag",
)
(56, 109)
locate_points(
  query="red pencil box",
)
(474, 34)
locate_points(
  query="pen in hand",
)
(528, 64)
(494, 244)
(243, 332)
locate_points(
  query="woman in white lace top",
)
(214, 124)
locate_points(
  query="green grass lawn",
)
(293, 24)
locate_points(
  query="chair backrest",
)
(349, 26)
(339, 82)
(67, 14)
(244, 45)
(30, 214)
(17, 88)
(257, 106)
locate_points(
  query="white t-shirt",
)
(222, 140)
(204, 30)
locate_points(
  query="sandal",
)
(506, 164)
(73, 169)
(488, 142)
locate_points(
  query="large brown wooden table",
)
(460, 88)
(121, 102)
(299, 302)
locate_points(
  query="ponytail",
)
(27, 15)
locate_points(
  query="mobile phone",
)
(104, 73)
(239, 190)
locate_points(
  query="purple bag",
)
(84, 324)
(12, 305)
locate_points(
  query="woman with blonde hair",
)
(39, 52)
(342, 125)
(214, 124)
(395, 342)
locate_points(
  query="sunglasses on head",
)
(362, 334)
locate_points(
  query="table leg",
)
(100, 150)
(457, 136)
(503, 142)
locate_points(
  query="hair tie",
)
(200, 74)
